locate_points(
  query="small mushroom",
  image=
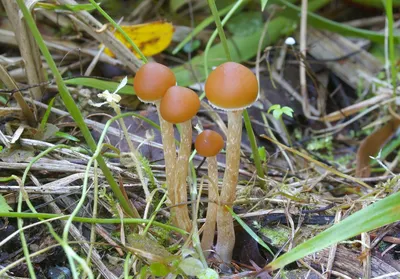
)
(231, 87)
(151, 82)
(178, 106)
(208, 144)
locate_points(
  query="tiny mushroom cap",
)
(209, 143)
(231, 86)
(152, 80)
(179, 104)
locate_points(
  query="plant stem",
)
(207, 239)
(72, 107)
(181, 172)
(226, 233)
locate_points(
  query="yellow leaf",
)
(151, 38)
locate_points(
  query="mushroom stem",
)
(168, 141)
(180, 199)
(213, 197)
(226, 234)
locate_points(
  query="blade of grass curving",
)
(71, 106)
(249, 231)
(293, 11)
(116, 26)
(376, 215)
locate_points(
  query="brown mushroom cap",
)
(209, 143)
(231, 86)
(179, 104)
(152, 80)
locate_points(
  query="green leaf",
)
(288, 111)
(249, 230)
(263, 4)
(159, 269)
(245, 23)
(376, 215)
(262, 153)
(208, 274)
(277, 113)
(191, 266)
(274, 107)
(101, 84)
(4, 207)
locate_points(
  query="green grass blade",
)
(376, 215)
(249, 231)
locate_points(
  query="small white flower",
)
(112, 99)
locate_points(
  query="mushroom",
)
(208, 144)
(151, 82)
(178, 106)
(231, 87)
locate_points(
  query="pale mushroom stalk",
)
(207, 238)
(208, 144)
(231, 87)
(178, 106)
(169, 148)
(151, 82)
(226, 233)
(181, 172)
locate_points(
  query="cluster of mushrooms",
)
(231, 87)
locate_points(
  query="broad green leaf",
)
(191, 266)
(159, 269)
(288, 111)
(277, 113)
(274, 107)
(376, 215)
(208, 274)
(245, 23)
(4, 207)
(101, 84)
(249, 230)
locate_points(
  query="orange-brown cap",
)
(152, 80)
(179, 104)
(231, 86)
(209, 143)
